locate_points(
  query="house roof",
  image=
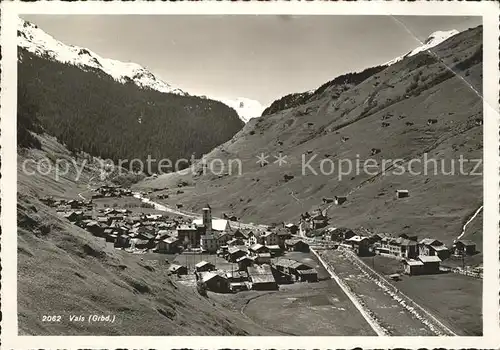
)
(357, 239)
(428, 259)
(404, 241)
(175, 267)
(412, 262)
(307, 272)
(291, 264)
(186, 228)
(146, 235)
(153, 216)
(209, 236)
(166, 232)
(274, 247)
(290, 225)
(261, 274)
(428, 241)
(381, 235)
(232, 250)
(203, 263)
(341, 230)
(256, 247)
(465, 242)
(207, 276)
(237, 284)
(170, 240)
(267, 234)
(236, 274)
(439, 248)
(140, 241)
(294, 241)
(246, 257)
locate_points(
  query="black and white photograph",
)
(252, 174)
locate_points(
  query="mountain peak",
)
(440, 36)
(35, 40)
(434, 39)
(245, 107)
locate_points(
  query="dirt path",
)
(377, 328)
(468, 222)
(89, 188)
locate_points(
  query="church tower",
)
(207, 219)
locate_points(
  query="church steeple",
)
(207, 219)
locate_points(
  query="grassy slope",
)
(454, 299)
(63, 270)
(438, 204)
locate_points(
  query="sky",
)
(261, 57)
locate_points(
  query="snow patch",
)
(434, 39)
(245, 107)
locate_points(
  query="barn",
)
(262, 278)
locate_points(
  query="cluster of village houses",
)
(255, 255)
(418, 256)
(107, 191)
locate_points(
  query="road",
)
(377, 328)
(89, 188)
(162, 207)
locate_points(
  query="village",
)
(254, 259)
(249, 259)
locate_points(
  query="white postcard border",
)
(491, 190)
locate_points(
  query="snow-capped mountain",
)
(35, 40)
(434, 39)
(245, 107)
(40, 43)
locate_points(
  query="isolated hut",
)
(402, 193)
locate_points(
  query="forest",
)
(87, 110)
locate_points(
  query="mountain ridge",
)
(422, 104)
(432, 40)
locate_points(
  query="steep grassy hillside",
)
(64, 270)
(389, 111)
(88, 110)
(333, 89)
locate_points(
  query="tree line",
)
(87, 110)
